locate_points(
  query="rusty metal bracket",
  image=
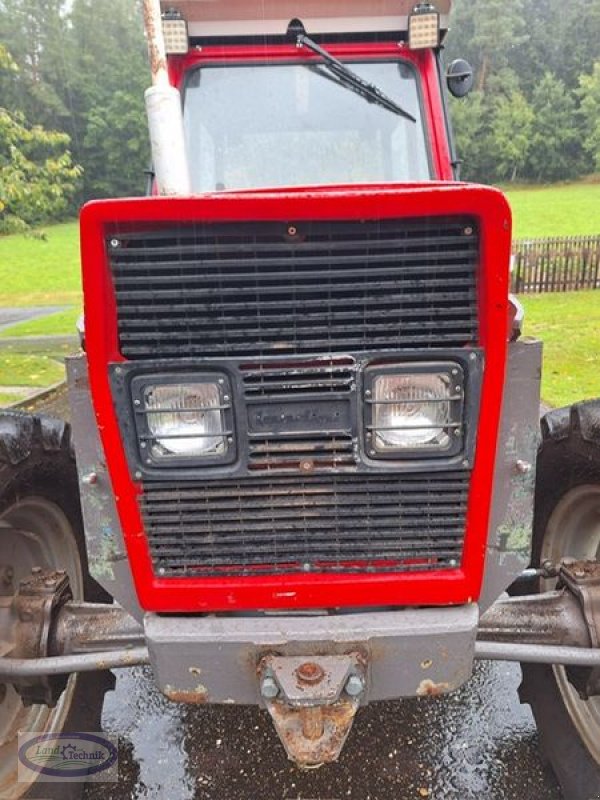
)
(582, 579)
(37, 601)
(313, 703)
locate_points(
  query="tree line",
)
(535, 112)
(73, 73)
(72, 119)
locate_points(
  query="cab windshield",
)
(277, 125)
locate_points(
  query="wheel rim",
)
(34, 532)
(573, 530)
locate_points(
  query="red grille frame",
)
(457, 586)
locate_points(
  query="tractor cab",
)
(309, 93)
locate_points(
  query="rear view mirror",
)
(460, 78)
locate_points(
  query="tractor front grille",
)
(292, 308)
(339, 523)
(241, 290)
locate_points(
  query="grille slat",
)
(344, 523)
(243, 290)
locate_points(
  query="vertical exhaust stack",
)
(165, 117)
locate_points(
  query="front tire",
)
(567, 524)
(41, 526)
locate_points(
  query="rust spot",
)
(157, 60)
(310, 673)
(428, 688)
(329, 725)
(196, 696)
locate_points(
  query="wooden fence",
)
(562, 264)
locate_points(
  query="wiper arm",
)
(348, 77)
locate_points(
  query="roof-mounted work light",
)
(175, 32)
(424, 27)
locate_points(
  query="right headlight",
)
(413, 410)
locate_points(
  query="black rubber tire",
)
(37, 459)
(569, 457)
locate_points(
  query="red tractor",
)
(304, 464)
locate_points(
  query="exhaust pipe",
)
(165, 115)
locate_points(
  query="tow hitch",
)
(313, 703)
(312, 695)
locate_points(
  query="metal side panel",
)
(413, 652)
(107, 558)
(509, 542)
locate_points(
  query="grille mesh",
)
(252, 289)
(339, 523)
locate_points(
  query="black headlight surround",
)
(145, 437)
(456, 429)
(344, 411)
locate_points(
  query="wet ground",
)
(477, 744)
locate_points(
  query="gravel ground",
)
(477, 744)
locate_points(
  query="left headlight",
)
(183, 420)
(415, 410)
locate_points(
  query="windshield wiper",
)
(349, 78)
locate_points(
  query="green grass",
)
(62, 322)
(7, 399)
(34, 272)
(569, 326)
(25, 369)
(561, 210)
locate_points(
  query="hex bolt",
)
(90, 479)
(268, 688)
(355, 685)
(114, 243)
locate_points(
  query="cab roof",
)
(237, 18)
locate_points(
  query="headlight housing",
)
(185, 419)
(414, 410)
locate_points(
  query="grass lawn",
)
(34, 272)
(569, 326)
(25, 369)
(562, 210)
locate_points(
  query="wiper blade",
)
(348, 77)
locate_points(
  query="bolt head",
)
(355, 685)
(310, 672)
(268, 688)
(523, 467)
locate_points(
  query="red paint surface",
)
(337, 203)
